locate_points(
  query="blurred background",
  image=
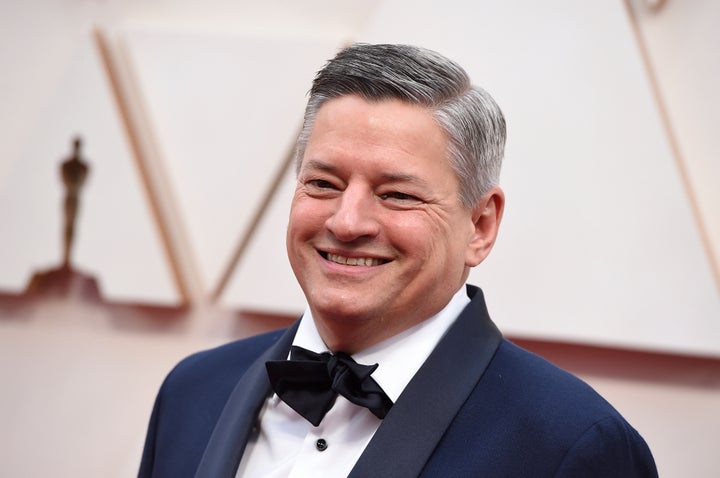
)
(608, 260)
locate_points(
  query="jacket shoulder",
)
(528, 417)
(221, 366)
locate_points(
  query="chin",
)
(340, 313)
(338, 310)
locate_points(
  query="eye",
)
(399, 196)
(321, 188)
(321, 184)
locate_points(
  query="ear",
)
(486, 216)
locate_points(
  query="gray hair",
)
(469, 116)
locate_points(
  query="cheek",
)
(304, 224)
(305, 219)
(441, 239)
(420, 236)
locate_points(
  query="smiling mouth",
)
(353, 261)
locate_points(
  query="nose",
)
(354, 215)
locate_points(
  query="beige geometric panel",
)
(681, 41)
(225, 109)
(116, 240)
(263, 280)
(599, 243)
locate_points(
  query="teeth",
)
(354, 261)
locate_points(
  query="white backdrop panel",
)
(226, 108)
(117, 240)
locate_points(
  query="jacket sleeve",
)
(610, 447)
(148, 455)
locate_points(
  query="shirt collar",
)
(400, 356)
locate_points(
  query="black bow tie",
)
(309, 383)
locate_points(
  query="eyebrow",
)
(389, 177)
(403, 178)
(316, 164)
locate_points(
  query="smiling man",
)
(395, 369)
(378, 237)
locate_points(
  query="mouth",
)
(353, 261)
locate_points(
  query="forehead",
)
(385, 131)
(390, 112)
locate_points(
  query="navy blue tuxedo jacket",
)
(478, 407)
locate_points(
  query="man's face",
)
(377, 236)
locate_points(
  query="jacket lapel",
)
(227, 442)
(417, 421)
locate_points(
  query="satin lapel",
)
(417, 421)
(227, 442)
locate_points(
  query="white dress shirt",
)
(287, 445)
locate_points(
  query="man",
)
(396, 199)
